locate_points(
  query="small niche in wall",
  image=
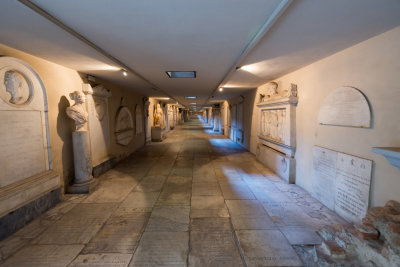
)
(345, 106)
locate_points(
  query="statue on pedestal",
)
(83, 181)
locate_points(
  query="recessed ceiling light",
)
(191, 97)
(192, 103)
(181, 74)
(221, 89)
(238, 68)
(124, 72)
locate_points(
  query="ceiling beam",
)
(80, 37)
(266, 27)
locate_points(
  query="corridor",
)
(195, 199)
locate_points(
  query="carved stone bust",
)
(272, 90)
(77, 112)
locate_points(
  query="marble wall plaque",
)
(124, 126)
(20, 159)
(323, 176)
(345, 106)
(353, 178)
(342, 182)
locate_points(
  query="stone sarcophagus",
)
(277, 130)
(26, 174)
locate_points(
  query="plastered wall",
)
(373, 67)
(59, 82)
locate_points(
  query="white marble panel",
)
(342, 182)
(353, 179)
(345, 106)
(323, 176)
(22, 148)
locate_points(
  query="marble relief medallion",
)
(15, 88)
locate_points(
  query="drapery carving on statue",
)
(17, 88)
(158, 116)
(77, 112)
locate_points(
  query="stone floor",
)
(195, 199)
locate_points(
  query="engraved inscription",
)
(342, 182)
(352, 187)
(324, 172)
(22, 147)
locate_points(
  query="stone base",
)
(17, 219)
(278, 162)
(156, 134)
(84, 188)
(103, 167)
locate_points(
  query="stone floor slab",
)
(210, 225)
(44, 255)
(213, 249)
(267, 248)
(162, 249)
(253, 223)
(169, 219)
(104, 259)
(301, 235)
(245, 208)
(206, 189)
(120, 234)
(140, 200)
(78, 226)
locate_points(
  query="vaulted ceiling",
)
(211, 37)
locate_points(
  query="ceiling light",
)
(162, 98)
(191, 97)
(124, 72)
(238, 68)
(181, 74)
(221, 89)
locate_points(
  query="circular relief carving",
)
(15, 88)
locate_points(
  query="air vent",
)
(181, 74)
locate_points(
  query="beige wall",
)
(373, 67)
(59, 82)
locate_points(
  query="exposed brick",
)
(393, 205)
(332, 248)
(366, 232)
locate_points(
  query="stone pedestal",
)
(156, 134)
(83, 182)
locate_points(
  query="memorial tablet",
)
(342, 182)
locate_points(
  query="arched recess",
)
(26, 166)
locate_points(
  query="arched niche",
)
(25, 157)
(345, 106)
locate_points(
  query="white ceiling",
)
(207, 36)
